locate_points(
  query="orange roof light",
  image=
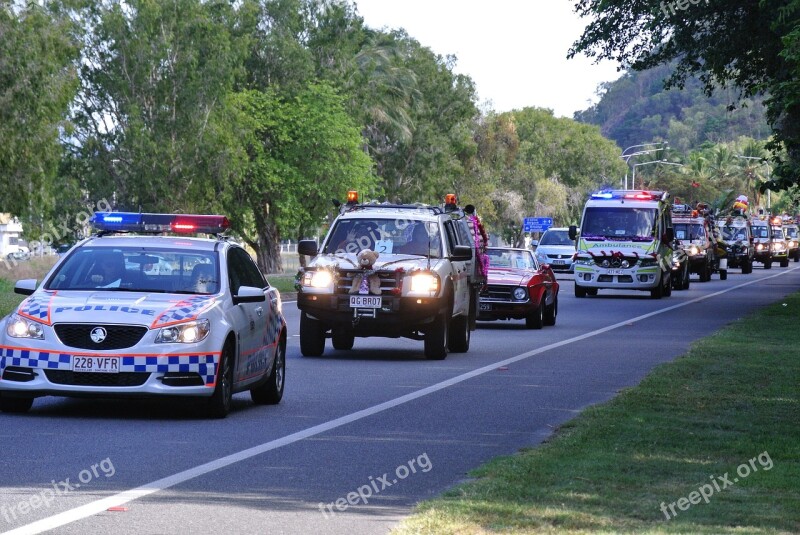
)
(352, 197)
(450, 198)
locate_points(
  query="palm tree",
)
(753, 169)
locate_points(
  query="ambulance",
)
(625, 242)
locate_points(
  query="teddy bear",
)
(367, 281)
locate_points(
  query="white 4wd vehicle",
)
(422, 285)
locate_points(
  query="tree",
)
(298, 154)
(38, 47)
(753, 46)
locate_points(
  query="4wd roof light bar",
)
(107, 222)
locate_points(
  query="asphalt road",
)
(377, 428)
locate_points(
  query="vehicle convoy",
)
(519, 287)
(768, 241)
(738, 239)
(556, 249)
(102, 324)
(790, 229)
(695, 235)
(625, 243)
(391, 270)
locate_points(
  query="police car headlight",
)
(424, 284)
(520, 294)
(320, 280)
(19, 327)
(185, 333)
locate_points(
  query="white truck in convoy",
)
(624, 242)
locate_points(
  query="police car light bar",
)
(157, 223)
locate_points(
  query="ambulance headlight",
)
(20, 327)
(186, 333)
(647, 262)
(625, 264)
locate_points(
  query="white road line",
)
(98, 506)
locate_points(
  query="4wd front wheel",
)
(343, 340)
(459, 335)
(312, 336)
(436, 338)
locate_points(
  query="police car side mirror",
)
(307, 247)
(249, 294)
(25, 286)
(573, 232)
(461, 253)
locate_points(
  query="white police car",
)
(103, 323)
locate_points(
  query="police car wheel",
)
(436, 339)
(271, 392)
(219, 405)
(17, 405)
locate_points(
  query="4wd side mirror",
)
(307, 247)
(573, 232)
(461, 253)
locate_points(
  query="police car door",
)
(250, 318)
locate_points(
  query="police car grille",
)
(69, 377)
(390, 281)
(117, 336)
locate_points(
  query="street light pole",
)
(627, 157)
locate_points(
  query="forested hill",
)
(636, 109)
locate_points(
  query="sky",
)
(514, 50)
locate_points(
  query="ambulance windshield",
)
(616, 223)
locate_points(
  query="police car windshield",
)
(385, 236)
(688, 231)
(635, 224)
(137, 269)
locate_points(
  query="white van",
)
(626, 240)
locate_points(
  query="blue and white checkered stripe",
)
(185, 310)
(37, 307)
(205, 365)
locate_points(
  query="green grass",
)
(35, 268)
(284, 282)
(733, 397)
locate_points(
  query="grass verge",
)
(35, 268)
(284, 282)
(693, 422)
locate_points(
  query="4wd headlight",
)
(423, 284)
(777, 246)
(759, 247)
(20, 327)
(185, 333)
(693, 250)
(320, 280)
(520, 294)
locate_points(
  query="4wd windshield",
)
(385, 236)
(636, 224)
(760, 231)
(137, 269)
(791, 232)
(734, 233)
(777, 233)
(689, 231)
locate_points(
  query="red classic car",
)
(519, 287)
